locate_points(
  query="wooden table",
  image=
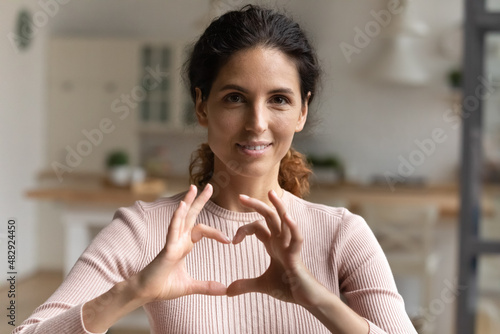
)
(446, 197)
(93, 189)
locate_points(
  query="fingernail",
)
(227, 239)
(244, 196)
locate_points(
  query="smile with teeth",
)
(254, 148)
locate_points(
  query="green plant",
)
(455, 78)
(117, 158)
(332, 162)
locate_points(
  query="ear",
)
(201, 108)
(303, 114)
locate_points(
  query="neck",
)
(228, 188)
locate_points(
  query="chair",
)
(405, 233)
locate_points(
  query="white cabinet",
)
(103, 94)
(167, 107)
(89, 112)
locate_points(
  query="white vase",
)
(138, 175)
(120, 175)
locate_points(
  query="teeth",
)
(255, 148)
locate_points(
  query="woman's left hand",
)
(287, 278)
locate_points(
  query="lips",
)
(253, 147)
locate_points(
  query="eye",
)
(280, 100)
(234, 98)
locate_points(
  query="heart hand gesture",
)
(287, 278)
(166, 276)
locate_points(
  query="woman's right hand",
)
(166, 276)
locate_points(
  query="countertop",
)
(91, 188)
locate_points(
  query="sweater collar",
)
(242, 216)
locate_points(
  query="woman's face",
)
(252, 112)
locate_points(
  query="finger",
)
(285, 234)
(212, 288)
(201, 230)
(257, 228)
(296, 236)
(174, 228)
(271, 216)
(198, 205)
(242, 286)
(190, 195)
(188, 199)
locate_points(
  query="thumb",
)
(242, 286)
(207, 288)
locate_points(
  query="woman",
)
(265, 261)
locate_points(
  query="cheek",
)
(220, 130)
(285, 126)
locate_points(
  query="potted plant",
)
(119, 171)
(455, 79)
(327, 169)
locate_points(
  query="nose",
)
(257, 118)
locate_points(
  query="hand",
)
(166, 276)
(287, 278)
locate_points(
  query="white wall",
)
(368, 124)
(22, 126)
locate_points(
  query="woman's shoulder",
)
(323, 212)
(163, 202)
(141, 213)
(303, 205)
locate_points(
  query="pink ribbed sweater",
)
(339, 249)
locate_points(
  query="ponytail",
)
(201, 167)
(293, 175)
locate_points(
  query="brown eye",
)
(280, 100)
(233, 98)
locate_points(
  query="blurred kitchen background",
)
(94, 115)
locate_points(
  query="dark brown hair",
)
(243, 29)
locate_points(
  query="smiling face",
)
(252, 112)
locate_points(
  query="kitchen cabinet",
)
(104, 93)
(167, 106)
(88, 80)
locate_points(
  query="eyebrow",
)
(243, 90)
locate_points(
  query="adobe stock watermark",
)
(438, 305)
(427, 147)
(122, 108)
(222, 178)
(290, 280)
(372, 29)
(30, 28)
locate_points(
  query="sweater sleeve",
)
(366, 280)
(115, 254)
